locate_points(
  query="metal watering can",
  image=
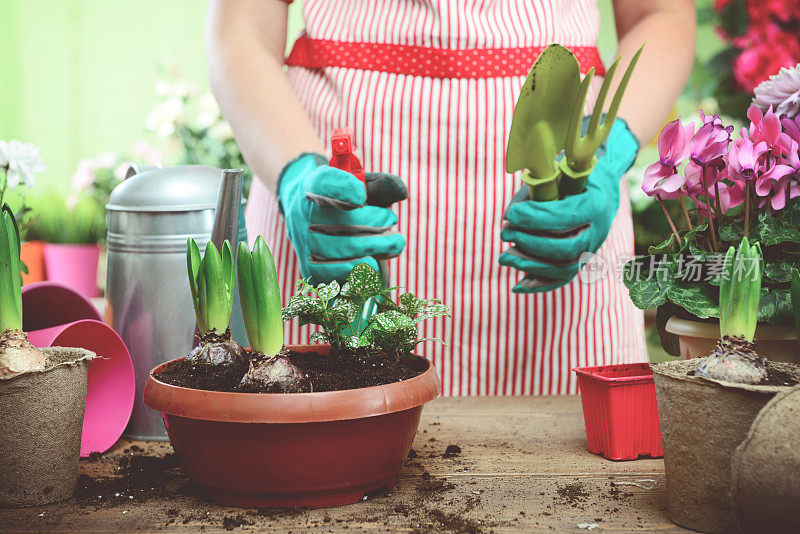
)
(148, 301)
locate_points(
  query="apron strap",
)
(413, 60)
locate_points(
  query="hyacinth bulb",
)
(734, 360)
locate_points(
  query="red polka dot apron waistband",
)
(413, 60)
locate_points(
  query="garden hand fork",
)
(579, 151)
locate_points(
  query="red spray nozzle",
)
(343, 157)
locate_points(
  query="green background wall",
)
(77, 76)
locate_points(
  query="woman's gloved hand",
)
(334, 222)
(549, 238)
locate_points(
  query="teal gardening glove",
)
(334, 222)
(549, 238)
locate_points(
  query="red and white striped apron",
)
(428, 88)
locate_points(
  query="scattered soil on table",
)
(451, 450)
(141, 478)
(431, 487)
(573, 494)
(336, 371)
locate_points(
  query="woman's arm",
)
(668, 27)
(245, 42)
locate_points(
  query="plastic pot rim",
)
(592, 373)
(317, 407)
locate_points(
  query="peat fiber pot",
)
(697, 339)
(307, 450)
(41, 417)
(766, 468)
(702, 423)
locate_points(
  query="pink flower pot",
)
(56, 315)
(74, 266)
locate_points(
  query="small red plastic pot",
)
(309, 450)
(620, 411)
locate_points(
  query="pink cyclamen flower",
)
(775, 183)
(731, 194)
(743, 158)
(710, 143)
(764, 128)
(661, 178)
(791, 127)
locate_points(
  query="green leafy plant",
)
(17, 355)
(340, 311)
(270, 369)
(211, 280)
(260, 297)
(734, 359)
(10, 272)
(49, 218)
(740, 291)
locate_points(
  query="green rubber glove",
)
(549, 238)
(334, 222)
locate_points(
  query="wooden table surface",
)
(523, 467)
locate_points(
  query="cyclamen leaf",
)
(647, 293)
(775, 307)
(697, 298)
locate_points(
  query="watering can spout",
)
(226, 216)
(229, 224)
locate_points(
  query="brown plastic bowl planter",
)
(697, 339)
(309, 450)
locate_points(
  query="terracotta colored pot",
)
(697, 339)
(74, 266)
(32, 255)
(308, 450)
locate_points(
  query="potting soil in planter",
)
(339, 370)
(702, 423)
(41, 419)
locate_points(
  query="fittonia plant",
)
(547, 121)
(260, 297)
(340, 313)
(211, 280)
(735, 359)
(17, 355)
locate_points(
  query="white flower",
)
(21, 161)
(208, 113)
(180, 88)
(166, 116)
(781, 91)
